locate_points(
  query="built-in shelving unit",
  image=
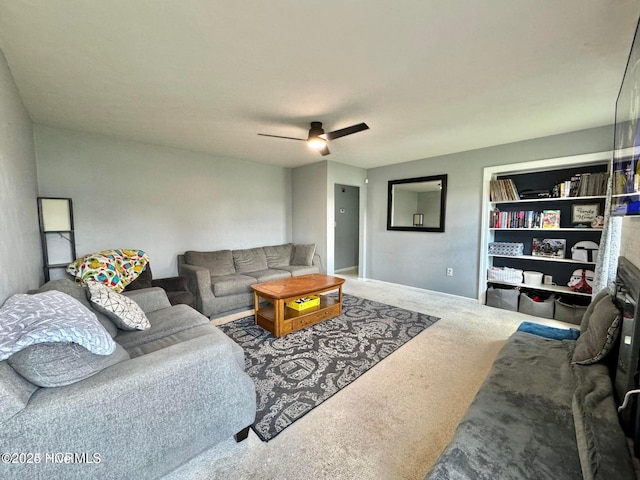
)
(541, 176)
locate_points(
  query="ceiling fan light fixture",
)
(317, 143)
(319, 140)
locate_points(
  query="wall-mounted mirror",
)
(417, 204)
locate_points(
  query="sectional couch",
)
(547, 409)
(221, 280)
(166, 394)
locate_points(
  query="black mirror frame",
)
(443, 202)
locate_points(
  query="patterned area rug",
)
(299, 371)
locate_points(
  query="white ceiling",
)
(429, 77)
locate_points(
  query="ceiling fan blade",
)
(325, 151)
(278, 136)
(347, 131)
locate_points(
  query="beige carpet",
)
(393, 421)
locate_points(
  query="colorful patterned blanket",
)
(114, 268)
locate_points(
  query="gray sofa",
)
(540, 415)
(177, 389)
(221, 280)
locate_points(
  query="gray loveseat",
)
(177, 389)
(221, 280)
(541, 416)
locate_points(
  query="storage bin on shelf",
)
(543, 308)
(504, 274)
(532, 278)
(505, 298)
(567, 312)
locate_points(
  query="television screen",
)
(626, 155)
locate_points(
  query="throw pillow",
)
(58, 364)
(278, 255)
(602, 330)
(50, 317)
(80, 293)
(123, 311)
(584, 324)
(219, 263)
(303, 254)
(249, 260)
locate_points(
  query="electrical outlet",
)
(449, 272)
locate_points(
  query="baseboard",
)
(416, 289)
(346, 269)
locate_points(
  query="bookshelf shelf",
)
(549, 230)
(541, 258)
(544, 288)
(552, 199)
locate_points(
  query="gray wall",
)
(420, 259)
(20, 252)
(309, 199)
(161, 200)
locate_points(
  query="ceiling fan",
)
(318, 139)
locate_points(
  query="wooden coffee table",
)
(280, 319)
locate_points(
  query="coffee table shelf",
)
(294, 319)
(279, 319)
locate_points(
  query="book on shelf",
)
(503, 190)
(551, 219)
(582, 185)
(515, 219)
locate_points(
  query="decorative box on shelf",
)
(506, 248)
(504, 274)
(304, 303)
